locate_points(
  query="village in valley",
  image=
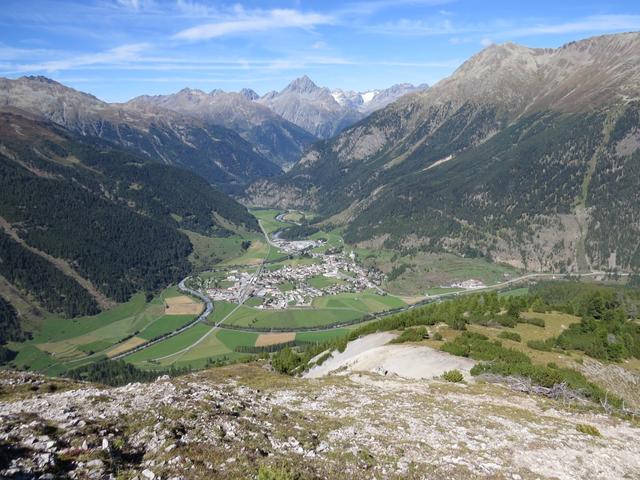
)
(296, 284)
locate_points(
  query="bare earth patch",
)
(267, 339)
(127, 345)
(182, 305)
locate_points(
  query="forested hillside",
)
(84, 223)
(527, 156)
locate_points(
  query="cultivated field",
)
(267, 339)
(67, 343)
(182, 305)
(126, 346)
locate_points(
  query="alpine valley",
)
(527, 156)
(318, 283)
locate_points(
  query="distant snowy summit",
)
(372, 100)
(324, 112)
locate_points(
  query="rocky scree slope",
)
(235, 422)
(525, 155)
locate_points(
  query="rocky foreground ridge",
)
(246, 422)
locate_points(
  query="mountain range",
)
(101, 200)
(528, 156)
(280, 124)
(216, 153)
(524, 156)
(324, 112)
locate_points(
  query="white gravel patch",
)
(372, 354)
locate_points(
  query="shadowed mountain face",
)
(216, 153)
(325, 113)
(527, 155)
(84, 223)
(277, 139)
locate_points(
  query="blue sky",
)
(117, 49)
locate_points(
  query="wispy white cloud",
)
(406, 27)
(133, 4)
(254, 21)
(597, 23)
(192, 8)
(114, 56)
(374, 6)
(503, 29)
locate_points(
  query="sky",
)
(118, 49)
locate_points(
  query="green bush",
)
(286, 361)
(588, 429)
(538, 322)
(276, 473)
(412, 335)
(542, 345)
(478, 347)
(510, 336)
(454, 376)
(539, 306)
(437, 336)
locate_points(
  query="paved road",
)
(245, 295)
(241, 299)
(201, 318)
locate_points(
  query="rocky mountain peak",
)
(249, 93)
(302, 85)
(40, 78)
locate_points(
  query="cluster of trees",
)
(10, 328)
(605, 331)
(298, 232)
(118, 373)
(499, 360)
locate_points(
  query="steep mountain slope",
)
(216, 153)
(518, 155)
(84, 224)
(280, 141)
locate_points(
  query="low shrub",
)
(323, 358)
(276, 473)
(454, 376)
(548, 377)
(478, 347)
(588, 429)
(513, 336)
(437, 336)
